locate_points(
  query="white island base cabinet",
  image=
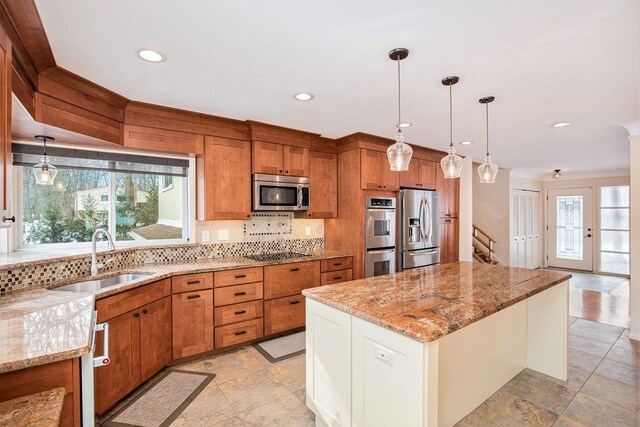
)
(362, 374)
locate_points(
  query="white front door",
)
(570, 235)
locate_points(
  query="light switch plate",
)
(496, 216)
(205, 235)
(307, 231)
(223, 235)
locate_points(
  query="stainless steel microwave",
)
(280, 193)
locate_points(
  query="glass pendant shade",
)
(488, 171)
(399, 154)
(451, 164)
(44, 172)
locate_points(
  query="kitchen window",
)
(128, 195)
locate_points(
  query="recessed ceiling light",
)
(466, 143)
(404, 125)
(151, 55)
(560, 124)
(303, 96)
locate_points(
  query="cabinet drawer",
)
(191, 282)
(237, 313)
(238, 333)
(115, 305)
(236, 277)
(237, 293)
(336, 264)
(283, 314)
(290, 279)
(331, 277)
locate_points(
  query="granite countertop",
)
(427, 303)
(44, 325)
(38, 410)
(157, 272)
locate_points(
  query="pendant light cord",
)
(44, 140)
(450, 116)
(399, 115)
(487, 115)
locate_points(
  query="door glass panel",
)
(614, 263)
(278, 196)
(614, 219)
(569, 217)
(614, 241)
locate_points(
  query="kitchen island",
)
(425, 347)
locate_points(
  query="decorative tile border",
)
(43, 274)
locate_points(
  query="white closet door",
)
(526, 229)
(536, 231)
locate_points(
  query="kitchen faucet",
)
(95, 267)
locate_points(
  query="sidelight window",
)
(614, 229)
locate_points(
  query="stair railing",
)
(484, 244)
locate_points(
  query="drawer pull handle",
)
(193, 296)
(294, 302)
(239, 294)
(241, 333)
(294, 269)
(337, 263)
(240, 276)
(240, 312)
(337, 278)
(193, 282)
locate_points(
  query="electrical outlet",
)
(307, 231)
(223, 235)
(205, 235)
(383, 354)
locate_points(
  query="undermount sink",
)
(107, 282)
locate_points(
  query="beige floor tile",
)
(230, 422)
(228, 365)
(505, 409)
(208, 408)
(585, 361)
(247, 392)
(290, 372)
(613, 392)
(628, 374)
(286, 411)
(588, 346)
(629, 356)
(301, 395)
(547, 392)
(475, 420)
(600, 326)
(594, 334)
(626, 342)
(572, 319)
(589, 411)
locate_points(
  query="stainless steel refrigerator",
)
(419, 228)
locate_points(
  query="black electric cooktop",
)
(275, 257)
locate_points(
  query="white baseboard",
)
(634, 336)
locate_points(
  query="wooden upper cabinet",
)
(225, 165)
(296, 161)
(5, 130)
(421, 174)
(449, 190)
(267, 158)
(375, 173)
(153, 139)
(411, 178)
(323, 181)
(155, 337)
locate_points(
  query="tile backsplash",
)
(261, 227)
(41, 274)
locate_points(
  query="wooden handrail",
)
(486, 248)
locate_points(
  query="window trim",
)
(188, 215)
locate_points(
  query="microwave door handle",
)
(299, 196)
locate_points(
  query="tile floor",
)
(603, 388)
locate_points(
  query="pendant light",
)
(487, 170)
(399, 154)
(452, 163)
(44, 172)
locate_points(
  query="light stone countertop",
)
(44, 325)
(36, 410)
(427, 303)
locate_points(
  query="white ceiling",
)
(544, 61)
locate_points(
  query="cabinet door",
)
(155, 337)
(411, 177)
(118, 378)
(192, 315)
(449, 192)
(225, 164)
(370, 173)
(449, 240)
(5, 130)
(390, 180)
(295, 161)
(323, 178)
(267, 158)
(427, 174)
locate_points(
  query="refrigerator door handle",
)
(422, 224)
(427, 213)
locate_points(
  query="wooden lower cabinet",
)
(155, 337)
(290, 279)
(192, 323)
(238, 333)
(36, 379)
(282, 314)
(331, 277)
(449, 240)
(122, 375)
(238, 312)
